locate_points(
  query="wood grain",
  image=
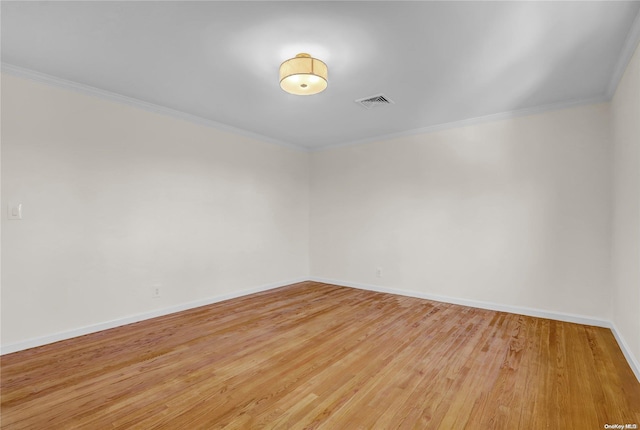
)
(314, 356)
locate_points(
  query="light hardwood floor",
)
(314, 355)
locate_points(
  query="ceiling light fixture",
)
(303, 75)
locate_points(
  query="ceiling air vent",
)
(374, 101)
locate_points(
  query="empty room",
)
(320, 215)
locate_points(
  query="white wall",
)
(625, 119)
(513, 212)
(117, 199)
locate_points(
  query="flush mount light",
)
(303, 75)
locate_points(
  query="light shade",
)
(303, 75)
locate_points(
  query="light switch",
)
(15, 210)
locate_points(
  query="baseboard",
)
(624, 346)
(578, 319)
(43, 340)
(558, 316)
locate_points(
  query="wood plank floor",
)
(314, 355)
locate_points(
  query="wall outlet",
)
(155, 291)
(379, 272)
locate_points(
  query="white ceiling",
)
(440, 62)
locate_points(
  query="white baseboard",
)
(624, 346)
(520, 310)
(558, 316)
(43, 340)
(578, 319)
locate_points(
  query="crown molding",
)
(22, 72)
(634, 35)
(630, 46)
(472, 121)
